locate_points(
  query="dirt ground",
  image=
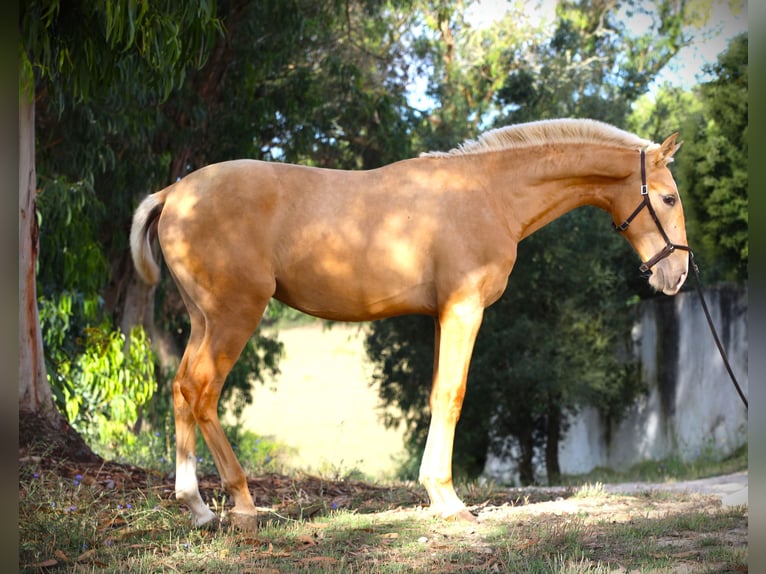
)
(607, 523)
(604, 523)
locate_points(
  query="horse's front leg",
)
(456, 331)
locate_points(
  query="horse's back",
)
(345, 245)
(321, 240)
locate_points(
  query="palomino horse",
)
(433, 235)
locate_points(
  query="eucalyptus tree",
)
(115, 52)
(319, 83)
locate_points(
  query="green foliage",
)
(594, 65)
(711, 169)
(319, 83)
(715, 164)
(71, 258)
(466, 68)
(62, 337)
(71, 271)
(98, 380)
(125, 48)
(107, 383)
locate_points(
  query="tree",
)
(80, 51)
(593, 66)
(34, 391)
(319, 83)
(466, 67)
(713, 168)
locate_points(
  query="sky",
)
(686, 68)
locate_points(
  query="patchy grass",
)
(708, 462)
(111, 518)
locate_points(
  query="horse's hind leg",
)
(187, 488)
(215, 343)
(224, 337)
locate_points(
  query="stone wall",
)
(691, 404)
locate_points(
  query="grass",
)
(82, 522)
(81, 518)
(707, 463)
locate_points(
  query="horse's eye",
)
(669, 200)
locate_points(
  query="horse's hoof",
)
(462, 515)
(243, 522)
(209, 521)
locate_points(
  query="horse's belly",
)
(362, 298)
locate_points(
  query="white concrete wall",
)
(691, 402)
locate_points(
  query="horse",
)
(435, 234)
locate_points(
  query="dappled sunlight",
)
(72, 516)
(433, 235)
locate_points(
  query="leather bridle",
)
(670, 247)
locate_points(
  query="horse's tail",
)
(142, 232)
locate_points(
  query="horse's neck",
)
(538, 187)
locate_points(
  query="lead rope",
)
(698, 285)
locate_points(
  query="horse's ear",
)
(668, 148)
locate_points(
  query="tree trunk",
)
(526, 466)
(34, 391)
(553, 438)
(41, 425)
(128, 298)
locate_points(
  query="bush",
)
(154, 449)
(102, 388)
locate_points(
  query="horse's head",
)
(653, 219)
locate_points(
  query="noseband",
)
(670, 247)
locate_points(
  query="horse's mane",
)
(565, 131)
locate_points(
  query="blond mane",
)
(565, 131)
